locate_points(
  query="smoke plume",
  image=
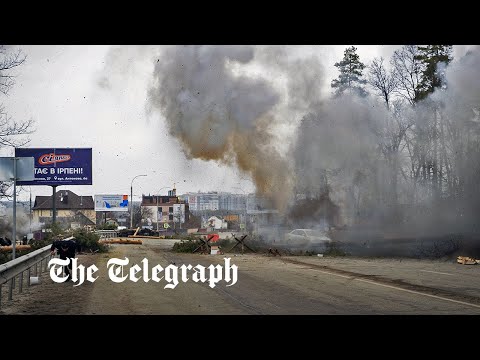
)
(348, 149)
(260, 108)
(221, 112)
(336, 153)
(23, 223)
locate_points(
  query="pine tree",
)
(350, 77)
(431, 56)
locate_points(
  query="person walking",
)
(66, 250)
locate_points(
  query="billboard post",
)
(14, 228)
(54, 204)
(131, 199)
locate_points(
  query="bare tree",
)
(11, 130)
(383, 83)
(422, 142)
(407, 71)
(8, 62)
(12, 133)
(392, 132)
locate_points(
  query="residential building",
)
(168, 210)
(217, 223)
(202, 201)
(213, 201)
(71, 209)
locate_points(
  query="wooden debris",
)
(121, 241)
(17, 247)
(146, 237)
(465, 260)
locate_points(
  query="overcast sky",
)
(58, 87)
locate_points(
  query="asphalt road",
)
(266, 285)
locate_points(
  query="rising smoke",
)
(229, 103)
(218, 112)
(345, 150)
(24, 226)
(336, 150)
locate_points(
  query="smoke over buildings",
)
(230, 103)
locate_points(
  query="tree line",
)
(426, 147)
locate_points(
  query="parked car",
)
(309, 238)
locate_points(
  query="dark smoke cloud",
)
(236, 105)
(221, 113)
(230, 103)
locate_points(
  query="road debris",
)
(18, 248)
(214, 250)
(121, 241)
(241, 242)
(274, 252)
(465, 260)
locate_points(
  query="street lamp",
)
(131, 198)
(158, 192)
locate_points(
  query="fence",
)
(13, 271)
(106, 234)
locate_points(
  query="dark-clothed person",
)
(66, 250)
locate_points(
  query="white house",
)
(217, 223)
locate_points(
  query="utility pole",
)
(30, 210)
(131, 205)
(54, 205)
(14, 230)
(131, 199)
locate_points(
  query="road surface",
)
(266, 285)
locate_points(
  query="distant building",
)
(202, 201)
(213, 201)
(217, 223)
(169, 210)
(70, 209)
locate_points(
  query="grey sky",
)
(58, 88)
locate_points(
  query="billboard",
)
(111, 203)
(59, 166)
